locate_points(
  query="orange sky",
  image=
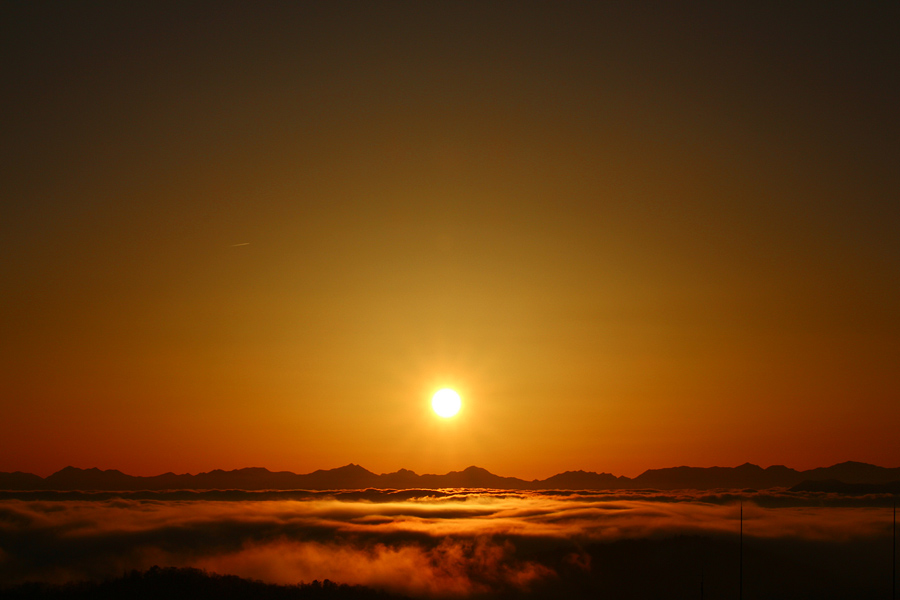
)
(630, 236)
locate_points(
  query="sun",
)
(446, 403)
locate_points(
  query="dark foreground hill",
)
(354, 477)
(192, 584)
(675, 568)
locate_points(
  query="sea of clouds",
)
(436, 543)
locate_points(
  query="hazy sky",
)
(631, 235)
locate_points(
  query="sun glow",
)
(446, 403)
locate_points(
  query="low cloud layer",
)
(426, 544)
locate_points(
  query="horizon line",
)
(351, 464)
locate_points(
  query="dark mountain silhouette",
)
(352, 476)
(21, 481)
(853, 472)
(744, 476)
(475, 477)
(70, 478)
(402, 479)
(586, 480)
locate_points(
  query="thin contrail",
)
(241, 244)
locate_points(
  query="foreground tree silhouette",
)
(186, 583)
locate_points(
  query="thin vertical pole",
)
(701, 582)
(701, 554)
(741, 580)
(894, 555)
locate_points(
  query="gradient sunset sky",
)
(629, 234)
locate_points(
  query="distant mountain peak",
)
(403, 472)
(71, 469)
(353, 467)
(474, 469)
(749, 466)
(92, 470)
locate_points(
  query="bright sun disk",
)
(446, 403)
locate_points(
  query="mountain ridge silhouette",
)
(354, 476)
